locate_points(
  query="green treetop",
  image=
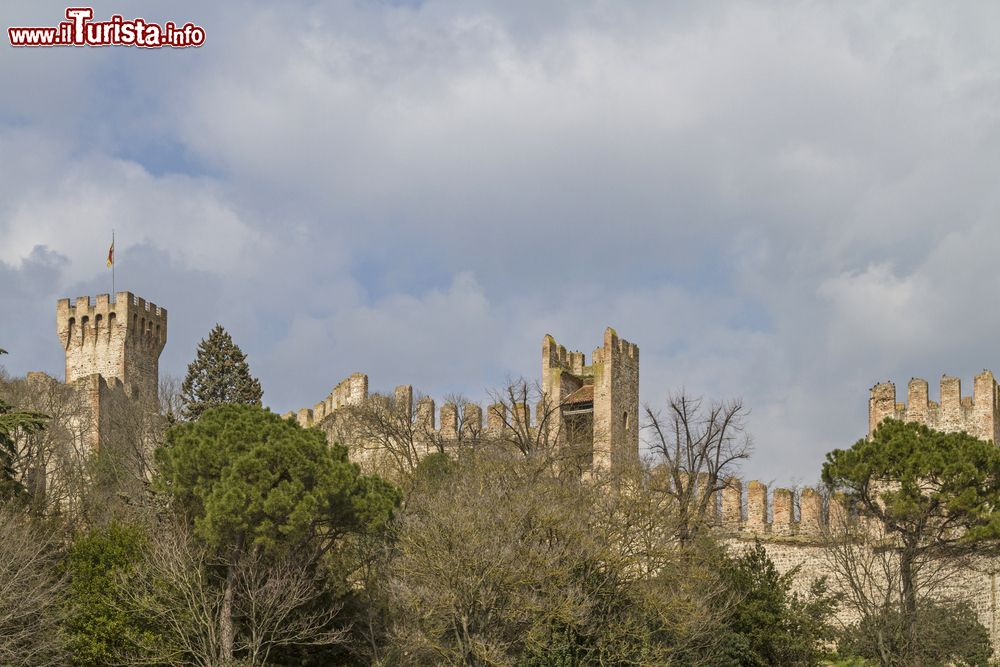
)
(253, 483)
(936, 495)
(219, 375)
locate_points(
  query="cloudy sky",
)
(785, 202)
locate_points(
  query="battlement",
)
(595, 406)
(978, 415)
(616, 349)
(807, 513)
(447, 423)
(119, 338)
(556, 356)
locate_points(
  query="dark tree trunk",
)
(227, 631)
(909, 597)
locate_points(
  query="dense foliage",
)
(97, 564)
(770, 624)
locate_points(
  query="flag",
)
(111, 254)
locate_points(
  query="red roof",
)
(584, 394)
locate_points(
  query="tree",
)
(14, 423)
(499, 561)
(699, 446)
(934, 498)
(30, 593)
(386, 434)
(770, 624)
(254, 484)
(515, 401)
(950, 634)
(219, 375)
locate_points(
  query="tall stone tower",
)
(117, 340)
(598, 405)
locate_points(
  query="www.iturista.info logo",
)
(81, 30)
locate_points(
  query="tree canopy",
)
(935, 497)
(256, 486)
(219, 375)
(933, 490)
(243, 473)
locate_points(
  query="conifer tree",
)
(219, 375)
(13, 422)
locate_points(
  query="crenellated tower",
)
(978, 415)
(117, 340)
(598, 405)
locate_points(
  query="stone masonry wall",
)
(977, 415)
(795, 539)
(120, 339)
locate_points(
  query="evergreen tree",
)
(12, 423)
(935, 494)
(219, 375)
(255, 483)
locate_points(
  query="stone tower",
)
(978, 415)
(117, 340)
(598, 405)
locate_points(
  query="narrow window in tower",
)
(83, 328)
(70, 331)
(135, 319)
(158, 333)
(111, 323)
(98, 321)
(625, 419)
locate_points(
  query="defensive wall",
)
(977, 415)
(593, 408)
(445, 422)
(794, 526)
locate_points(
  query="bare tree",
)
(864, 562)
(281, 604)
(504, 562)
(30, 594)
(53, 464)
(171, 402)
(699, 445)
(384, 434)
(511, 408)
(173, 591)
(276, 603)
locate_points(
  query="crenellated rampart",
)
(447, 422)
(977, 415)
(747, 510)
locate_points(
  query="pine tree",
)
(219, 375)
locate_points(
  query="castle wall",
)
(797, 540)
(978, 415)
(611, 430)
